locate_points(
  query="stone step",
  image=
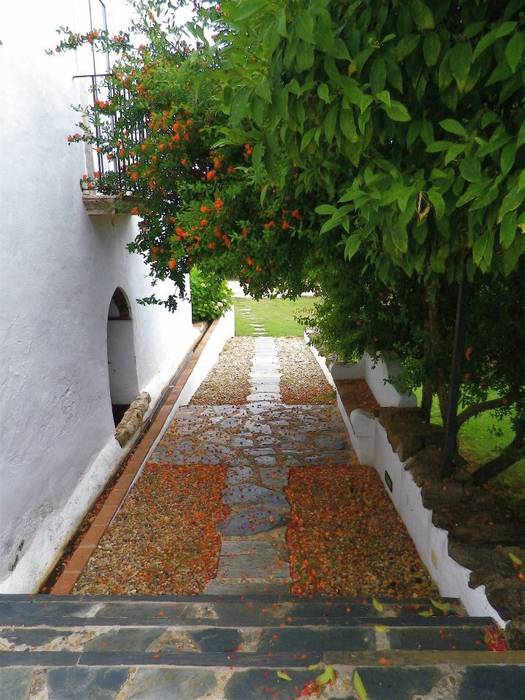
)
(254, 609)
(434, 676)
(363, 635)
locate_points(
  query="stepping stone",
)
(236, 475)
(274, 476)
(258, 548)
(246, 524)
(263, 396)
(250, 567)
(250, 494)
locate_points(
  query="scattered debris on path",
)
(302, 380)
(165, 539)
(345, 537)
(229, 380)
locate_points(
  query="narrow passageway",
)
(254, 488)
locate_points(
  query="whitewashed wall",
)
(58, 271)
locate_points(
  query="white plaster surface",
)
(370, 442)
(58, 271)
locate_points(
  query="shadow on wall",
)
(123, 380)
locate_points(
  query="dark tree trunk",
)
(509, 456)
(426, 400)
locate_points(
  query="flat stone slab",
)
(253, 567)
(236, 475)
(246, 524)
(245, 494)
(275, 477)
(257, 548)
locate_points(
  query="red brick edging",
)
(77, 562)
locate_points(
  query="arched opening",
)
(123, 381)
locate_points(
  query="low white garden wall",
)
(372, 447)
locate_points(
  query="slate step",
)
(467, 681)
(242, 641)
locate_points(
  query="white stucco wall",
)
(58, 271)
(370, 442)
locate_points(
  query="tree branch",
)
(472, 411)
(510, 455)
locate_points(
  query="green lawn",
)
(275, 315)
(482, 438)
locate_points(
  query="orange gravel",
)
(165, 539)
(346, 538)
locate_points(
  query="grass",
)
(482, 438)
(277, 316)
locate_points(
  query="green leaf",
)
(470, 169)
(515, 560)
(427, 132)
(422, 16)
(413, 132)
(437, 146)
(426, 613)
(381, 628)
(514, 50)
(280, 22)
(492, 36)
(352, 245)
(521, 136)
(508, 156)
(330, 123)
(400, 238)
(443, 607)
(378, 605)
(511, 201)
(304, 56)
(406, 45)
(508, 229)
(327, 677)
(437, 201)
(431, 48)
(378, 75)
(384, 97)
(460, 60)
(397, 112)
(324, 92)
(283, 676)
(347, 124)
(246, 10)
(453, 127)
(358, 686)
(304, 26)
(326, 209)
(480, 248)
(453, 152)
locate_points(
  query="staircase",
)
(234, 647)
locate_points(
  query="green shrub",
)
(210, 296)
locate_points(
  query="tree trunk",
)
(426, 400)
(510, 455)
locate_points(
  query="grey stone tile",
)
(256, 684)
(493, 683)
(15, 683)
(245, 524)
(398, 683)
(74, 683)
(217, 639)
(123, 639)
(274, 476)
(250, 566)
(236, 475)
(171, 684)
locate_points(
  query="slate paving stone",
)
(236, 475)
(123, 640)
(15, 683)
(32, 637)
(250, 494)
(171, 684)
(274, 477)
(255, 684)
(73, 683)
(251, 547)
(321, 640)
(253, 567)
(437, 638)
(399, 683)
(217, 639)
(493, 683)
(245, 524)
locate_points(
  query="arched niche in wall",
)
(123, 380)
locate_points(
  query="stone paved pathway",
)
(261, 447)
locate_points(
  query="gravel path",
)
(302, 380)
(346, 538)
(165, 538)
(229, 380)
